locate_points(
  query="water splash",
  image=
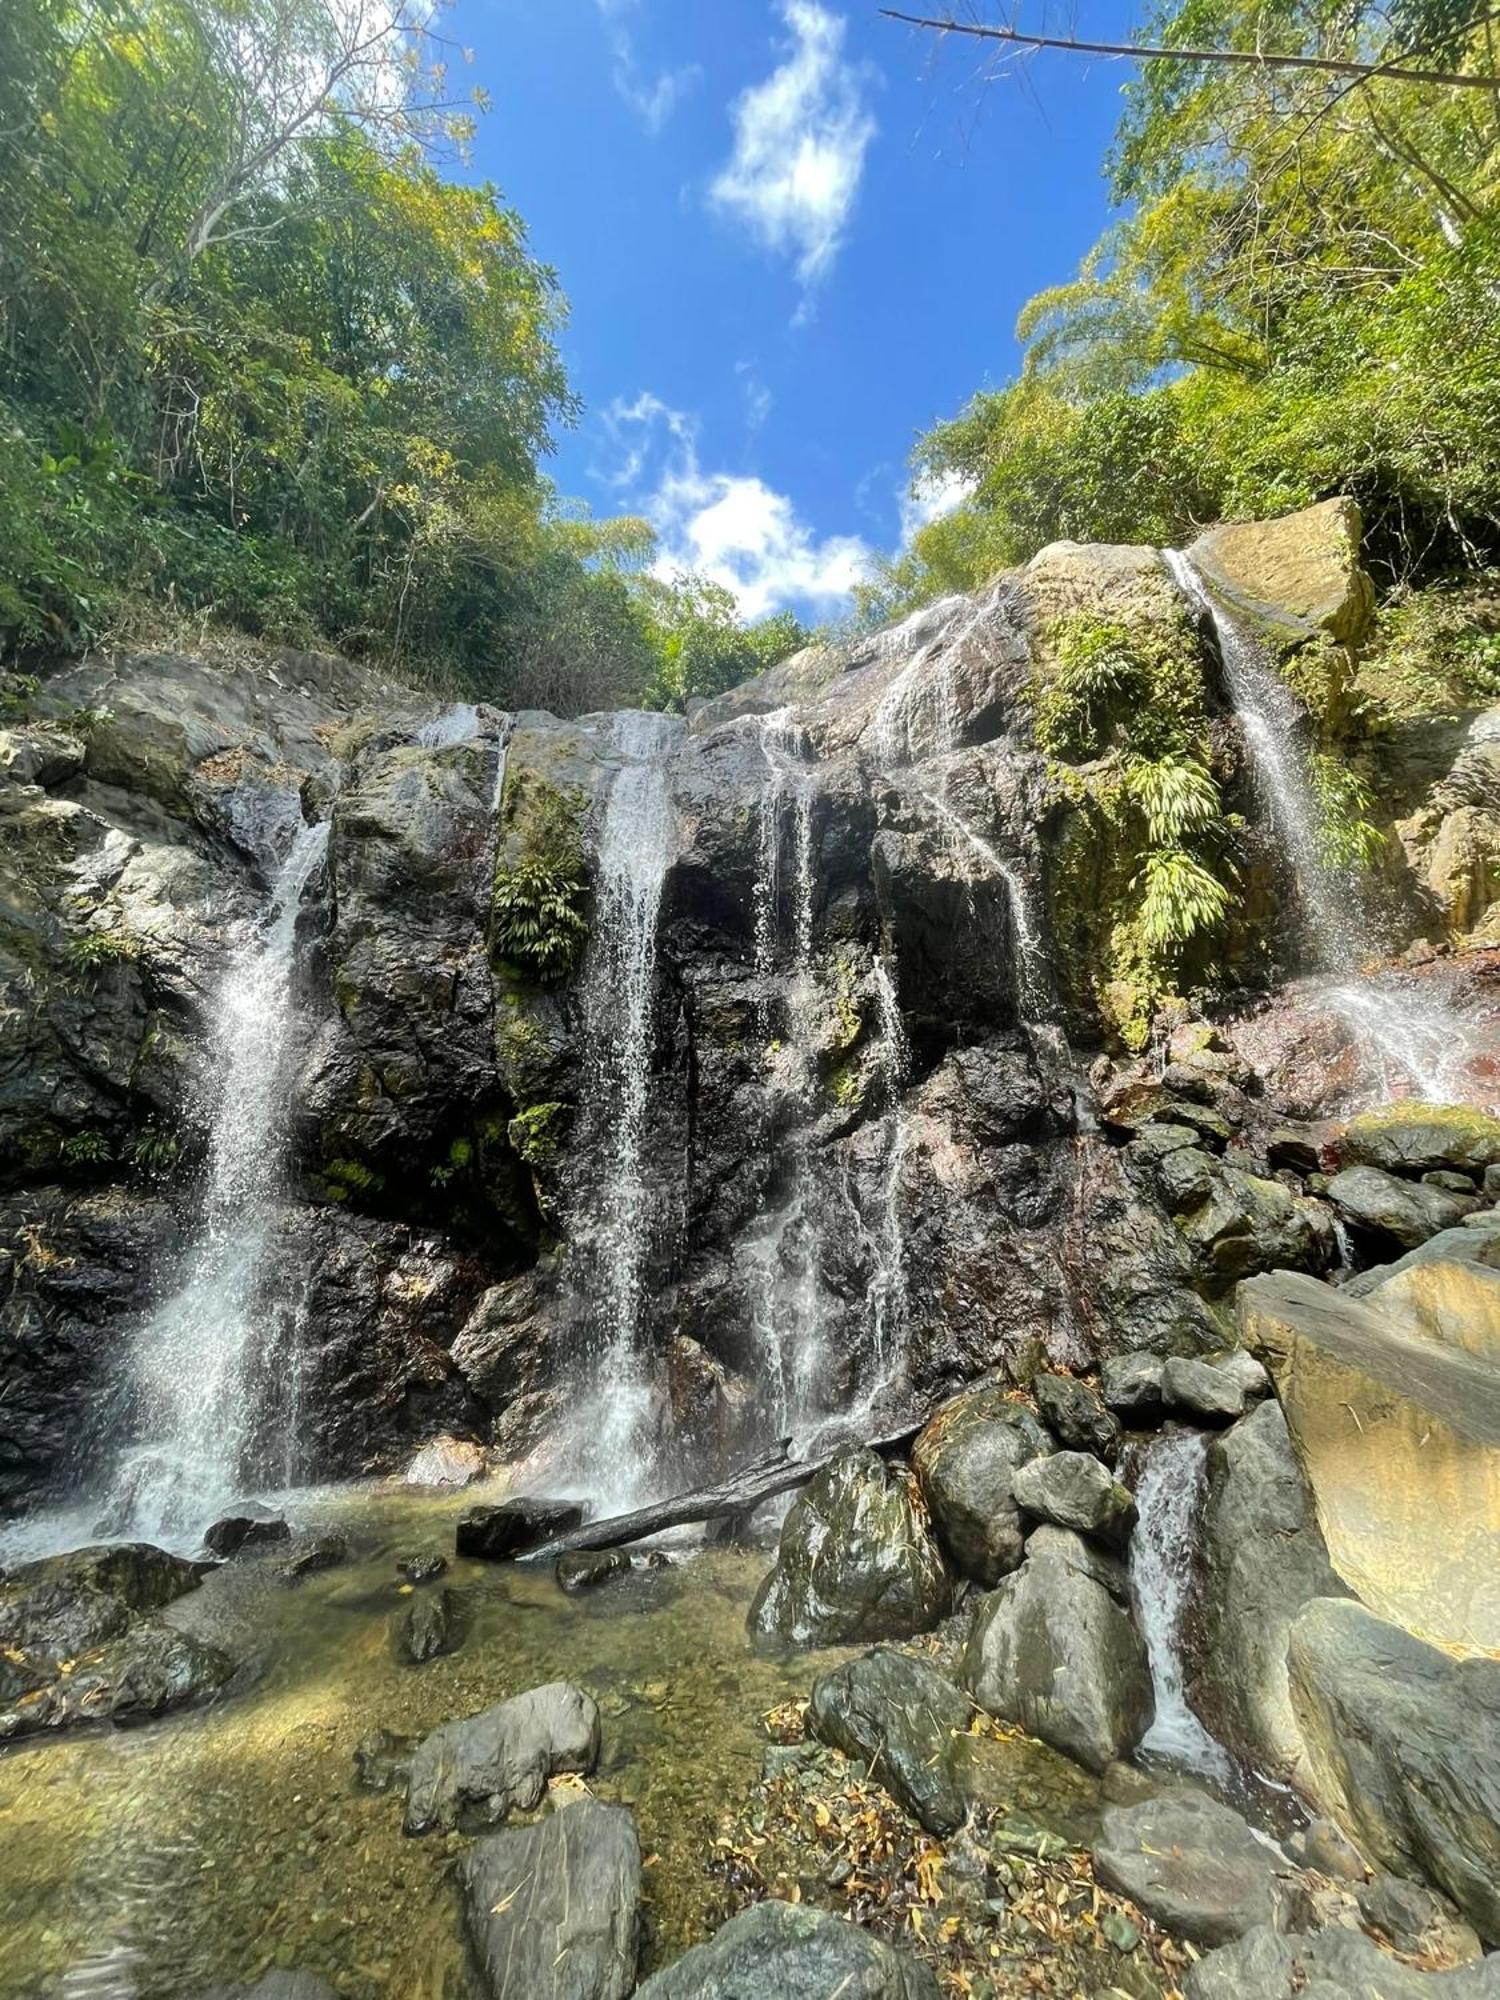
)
(200, 1378)
(888, 1290)
(1169, 1498)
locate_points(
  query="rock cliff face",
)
(727, 1073)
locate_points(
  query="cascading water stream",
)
(1404, 1036)
(199, 1371)
(1168, 1498)
(888, 1296)
(619, 1004)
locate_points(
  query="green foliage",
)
(86, 1149)
(156, 1148)
(1180, 898)
(540, 918)
(1349, 838)
(89, 951)
(699, 647)
(534, 1133)
(1105, 683)
(1177, 797)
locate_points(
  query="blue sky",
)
(793, 235)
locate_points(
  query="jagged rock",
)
(146, 1670)
(1296, 575)
(500, 1534)
(856, 1561)
(1192, 1865)
(965, 1459)
(433, 1624)
(1328, 1965)
(317, 1552)
(786, 1951)
(243, 1531)
(1216, 1395)
(1399, 1437)
(1403, 1748)
(1247, 1224)
(382, 1760)
(1263, 1559)
(1054, 1648)
(61, 1606)
(477, 1769)
(899, 1717)
(423, 1568)
(1074, 1414)
(1406, 1212)
(447, 1461)
(1293, 1151)
(1408, 1138)
(1073, 1490)
(1416, 1921)
(586, 1569)
(553, 1910)
(1132, 1387)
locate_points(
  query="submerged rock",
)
(586, 1569)
(478, 1769)
(900, 1718)
(1192, 1865)
(1334, 1964)
(276, 1986)
(149, 1669)
(1073, 1490)
(434, 1624)
(553, 1910)
(786, 1951)
(318, 1552)
(1055, 1649)
(965, 1460)
(423, 1568)
(856, 1561)
(500, 1534)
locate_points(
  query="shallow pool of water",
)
(224, 1841)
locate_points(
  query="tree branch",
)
(1252, 58)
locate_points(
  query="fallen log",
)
(742, 1494)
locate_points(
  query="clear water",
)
(1169, 1498)
(201, 1375)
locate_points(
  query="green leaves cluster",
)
(541, 921)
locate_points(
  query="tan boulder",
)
(1127, 584)
(1398, 1434)
(1299, 574)
(1463, 868)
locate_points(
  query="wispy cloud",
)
(731, 527)
(653, 98)
(929, 497)
(800, 140)
(757, 397)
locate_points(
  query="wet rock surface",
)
(476, 1770)
(780, 1951)
(1194, 1865)
(500, 1534)
(1265, 1966)
(966, 1459)
(901, 1718)
(435, 1623)
(1073, 1490)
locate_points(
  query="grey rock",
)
(243, 1531)
(433, 1624)
(553, 1910)
(317, 1552)
(586, 1569)
(1054, 1648)
(1073, 1490)
(1193, 1865)
(1409, 1138)
(500, 1534)
(1131, 1385)
(1416, 1921)
(786, 1951)
(1403, 1748)
(965, 1460)
(477, 1769)
(899, 1716)
(1074, 1414)
(1403, 1212)
(1328, 1965)
(1325, 1847)
(1241, 1366)
(856, 1561)
(276, 1986)
(1202, 1390)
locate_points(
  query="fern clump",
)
(541, 920)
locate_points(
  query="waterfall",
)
(619, 1007)
(888, 1297)
(1168, 1498)
(1406, 1038)
(199, 1372)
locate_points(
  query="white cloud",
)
(758, 398)
(800, 139)
(929, 497)
(653, 99)
(731, 527)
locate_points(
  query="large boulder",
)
(1054, 1648)
(786, 1951)
(553, 1910)
(147, 1670)
(856, 1561)
(1447, 1290)
(901, 1719)
(1073, 1490)
(1263, 1559)
(477, 1769)
(1394, 1210)
(1399, 1437)
(1407, 1138)
(1403, 1748)
(1193, 1865)
(965, 1460)
(1329, 1965)
(1296, 576)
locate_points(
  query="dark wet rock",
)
(318, 1552)
(1293, 1151)
(1408, 1138)
(586, 1569)
(147, 1670)
(899, 1717)
(1073, 1490)
(423, 1568)
(1131, 1386)
(434, 1624)
(1075, 1415)
(553, 1910)
(1054, 1648)
(1263, 1558)
(786, 1951)
(1193, 1865)
(1416, 1921)
(856, 1561)
(1328, 1965)
(1397, 1211)
(382, 1760)
(243, 1531)
(1215, 1395)
(61, 1606)
(1403, 1748)
(276, 1986)
(476, 1770)
(500, 1534)
(965, 1459)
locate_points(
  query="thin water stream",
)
(1169, 1499)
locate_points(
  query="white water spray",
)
(1168, 1500)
